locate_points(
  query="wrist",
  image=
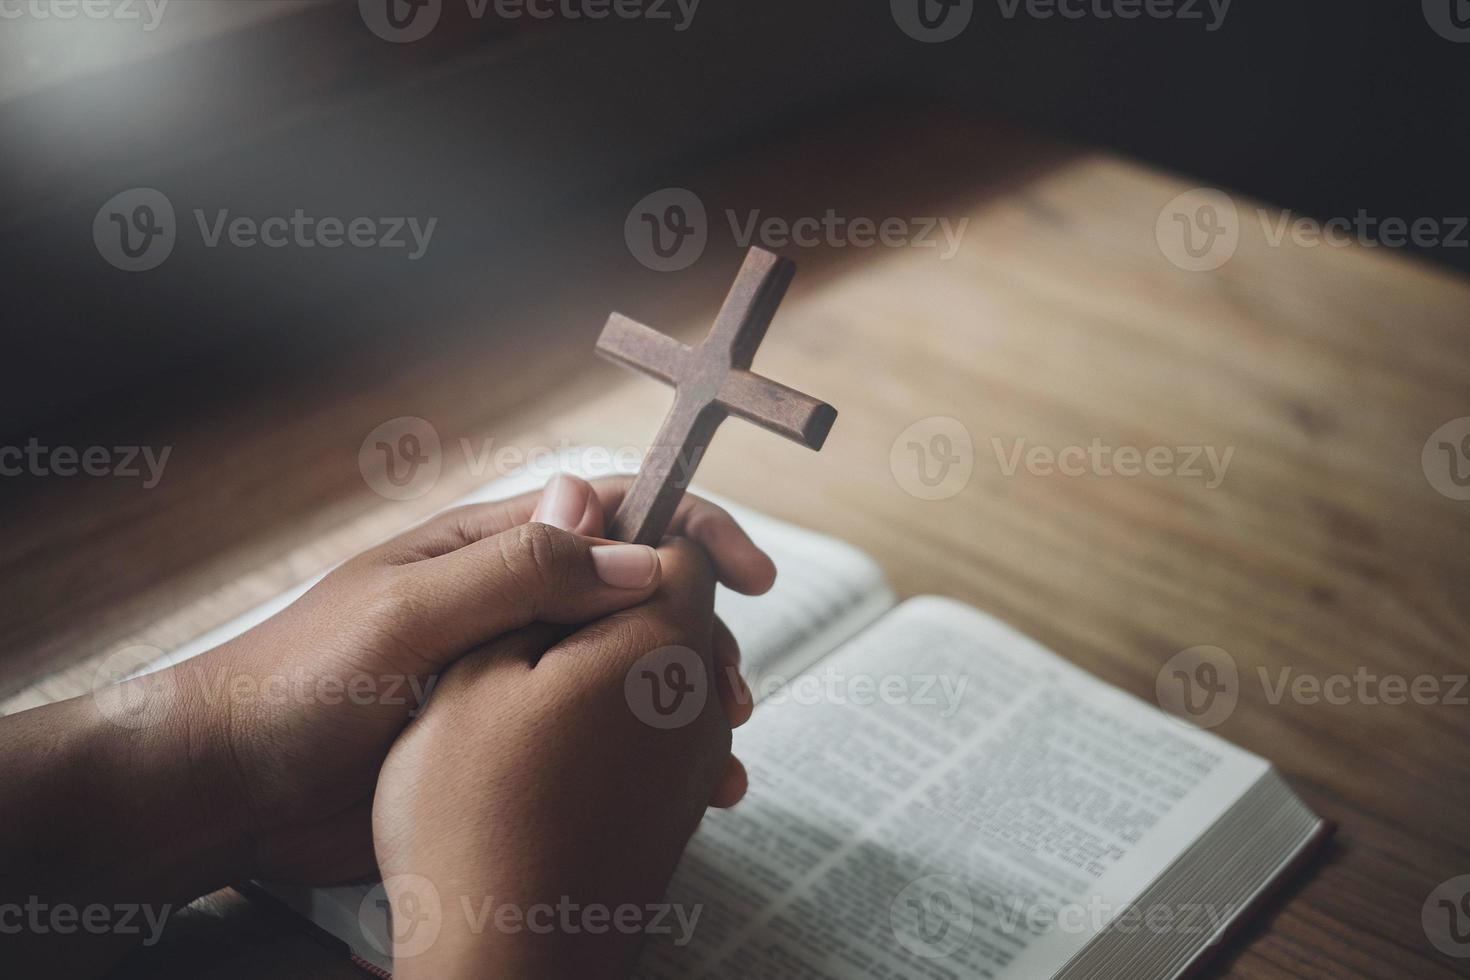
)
(102, 809)
(196, 753)
(108, 799)
(160, 748)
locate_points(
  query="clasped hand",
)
(534, 772)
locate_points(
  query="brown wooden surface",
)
(711, 382)
(1325, 548)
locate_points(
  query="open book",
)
(933, 795)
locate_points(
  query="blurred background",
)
(506, 126)
(243, 241)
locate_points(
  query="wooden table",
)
(1060, 321)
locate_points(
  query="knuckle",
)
(652, 625)
(686, 561)
(395, 604)
(703, 515)
(608, 649)
(460, 524)
(535, 554)
(629, 635)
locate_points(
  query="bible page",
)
(942, 798)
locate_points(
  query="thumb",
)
(527, 574)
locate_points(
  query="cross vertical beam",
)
(711, 382)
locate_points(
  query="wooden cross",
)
(711, 382)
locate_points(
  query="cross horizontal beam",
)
(711, 382)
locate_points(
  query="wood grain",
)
(1058, 321)
(711, 382)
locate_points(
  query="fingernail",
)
(625, 566)
(560, 504)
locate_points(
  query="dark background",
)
(501, 129)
